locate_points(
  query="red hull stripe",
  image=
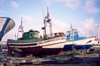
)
(38, 46)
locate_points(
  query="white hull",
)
(45, 47)
(55, 44)
(58, 42)
(79, 44)
(82, 42)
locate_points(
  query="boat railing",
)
(21, 41)
(36, 40)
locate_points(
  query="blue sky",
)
(80, 13)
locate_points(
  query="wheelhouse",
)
(30, 35)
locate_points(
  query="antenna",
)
(21, 21)
(71, 27)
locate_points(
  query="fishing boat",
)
(31, 43)
(79, 43)
(97, 40)
(6, 24)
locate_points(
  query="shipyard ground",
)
(90, 59)
(78, 60)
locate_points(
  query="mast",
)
(50, 24)
(20, 29)
(47, 20)
(44, 28)
(98, 32)
(72, 31)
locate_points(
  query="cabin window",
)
(74, 33)
(25, 34)
(31, 34)
(71, 33)
(36, 34)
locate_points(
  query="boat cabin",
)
(30, 35)
(73, 35)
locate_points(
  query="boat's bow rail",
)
(33, 40)
(21, 41)
(36, 40)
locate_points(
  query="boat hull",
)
(38, 51)
(80, 44)
(77, 47)
(45, 47)
(42, 51)
(6, 24)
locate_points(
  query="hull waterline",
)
(77, 47)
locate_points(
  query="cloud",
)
(2, 11)
(26, 18)
(59, 26)
(90, 6)
(73, 4)
(84, 28)
(48, 2)
(88, 23)
(1, 2)
(14, 4)
(87, 27)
